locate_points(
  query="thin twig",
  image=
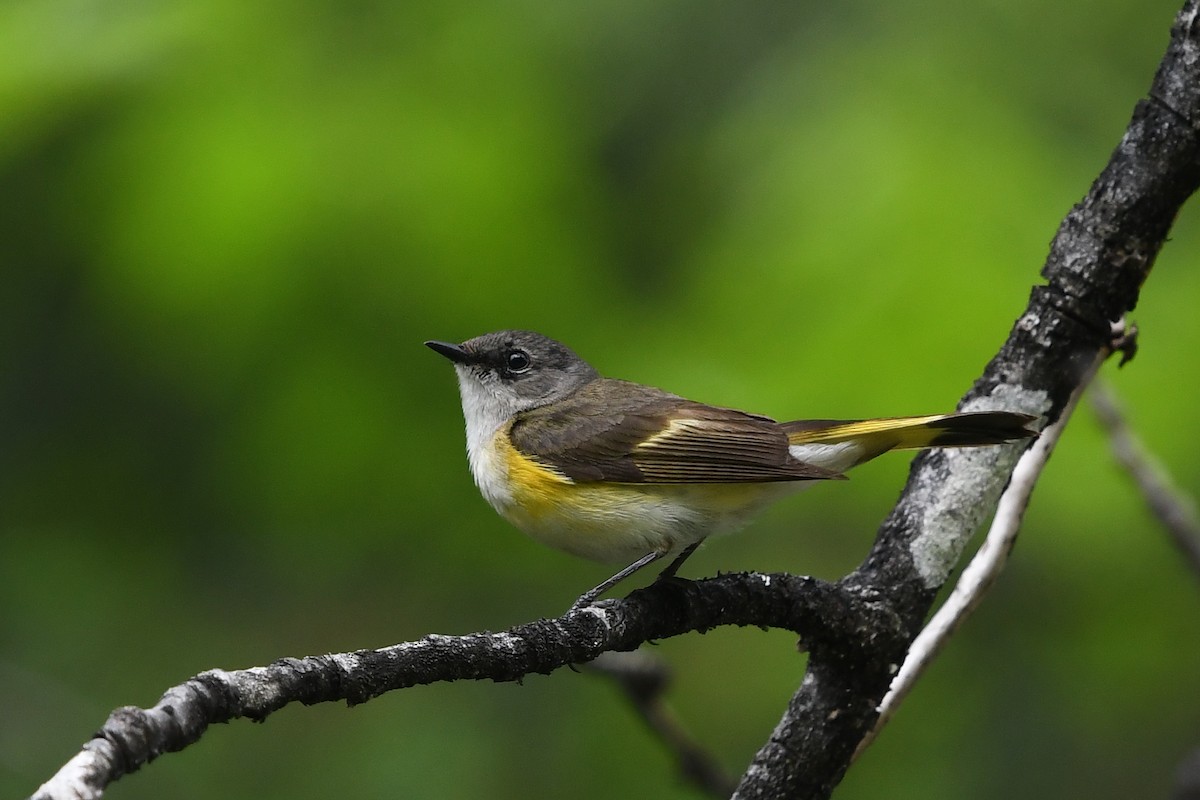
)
(644, 680)
(985, 567)
(1167, 502)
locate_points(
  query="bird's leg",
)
(590, 596)
(670, 569)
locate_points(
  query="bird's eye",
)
(516, 361)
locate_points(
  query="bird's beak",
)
(454, 352)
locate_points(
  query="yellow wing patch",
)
(673, 429)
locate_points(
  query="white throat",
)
(484, 413)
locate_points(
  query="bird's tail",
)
(861, 440)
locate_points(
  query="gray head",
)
(503, 373)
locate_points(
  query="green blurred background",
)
(227, 227)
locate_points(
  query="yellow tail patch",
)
(906, 432)
(969, 429)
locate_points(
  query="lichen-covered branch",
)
(822, 613)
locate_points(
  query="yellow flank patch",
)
(536, 489)
(904, 431)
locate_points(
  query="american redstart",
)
(619, 472)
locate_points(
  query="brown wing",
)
(627, 433)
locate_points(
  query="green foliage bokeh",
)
(227, 226)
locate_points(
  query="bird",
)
(619, 472)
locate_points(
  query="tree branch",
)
(1170, 506)
(984, 569)
(1100, 257)
(819, 611)
(644, 681)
